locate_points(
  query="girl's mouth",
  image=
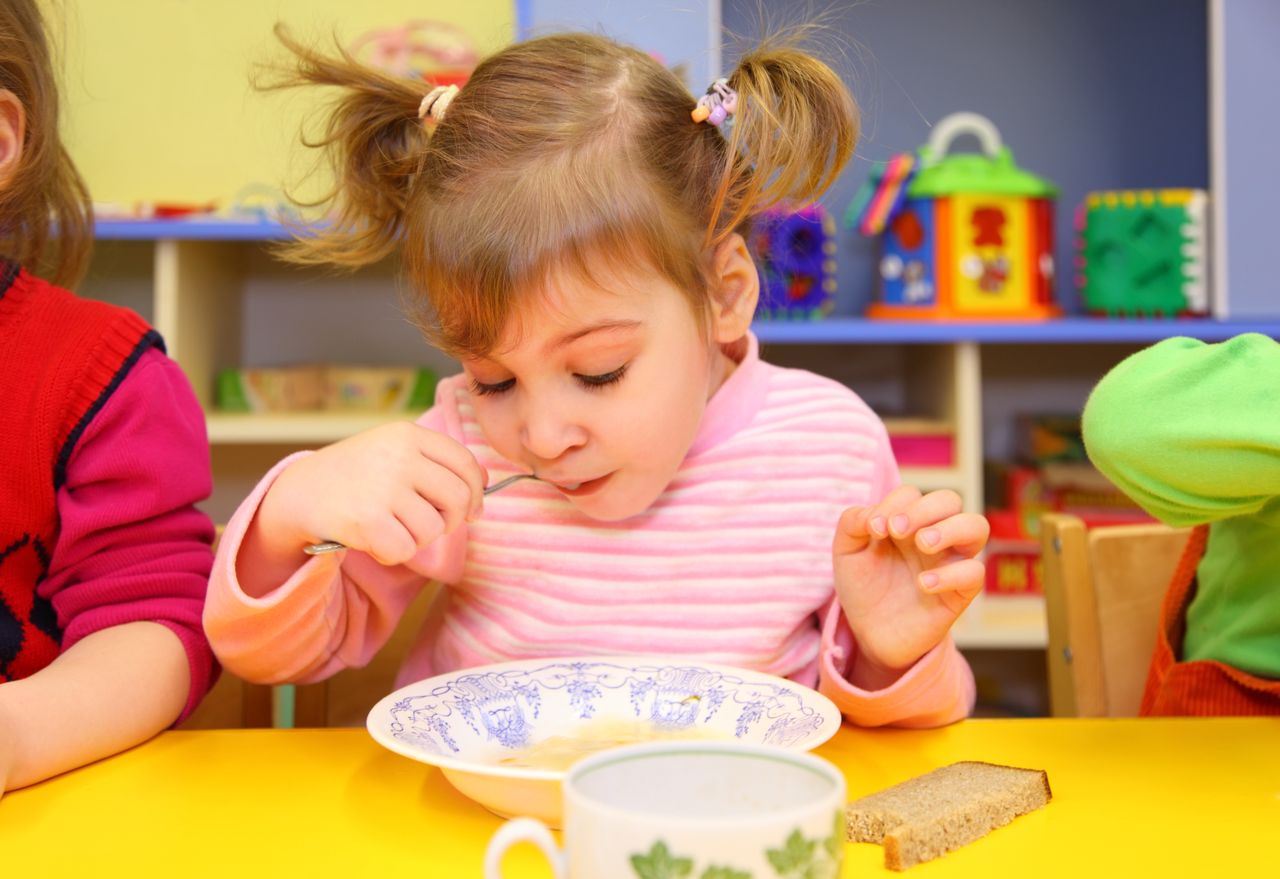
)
(583, 489)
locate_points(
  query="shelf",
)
(1002, 623)
(844, 330)
(303, 428)
(204, 229)
(833, 330)
(934, 477)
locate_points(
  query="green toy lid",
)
(992, 172)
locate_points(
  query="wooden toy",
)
(1144, 252)
(797, 251)
(962, 236)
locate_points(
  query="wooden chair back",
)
(1103, 592)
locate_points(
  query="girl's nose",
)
(547, 434)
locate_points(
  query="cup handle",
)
(523, 830)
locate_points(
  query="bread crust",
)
(927, 816)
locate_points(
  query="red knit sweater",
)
(60, 358)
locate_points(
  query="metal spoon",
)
(334, 546)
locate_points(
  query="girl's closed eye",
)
(483, 389)
(595, 382)
(590, 382)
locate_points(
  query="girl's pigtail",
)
(794, 128)
(374, 143)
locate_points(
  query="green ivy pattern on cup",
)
(798, 858)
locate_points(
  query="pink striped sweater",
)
(732, 564)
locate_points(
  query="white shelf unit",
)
(302, 429)
(197, 293)
(199, 284)
(201, 294)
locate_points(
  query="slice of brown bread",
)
(932, 814)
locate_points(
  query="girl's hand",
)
(389, 492)
(905, 569)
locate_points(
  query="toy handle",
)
(964, 123)
(523, 830)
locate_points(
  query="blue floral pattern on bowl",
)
(501, 705)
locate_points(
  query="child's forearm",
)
(271, 551)
(272, 548)
(109, 691)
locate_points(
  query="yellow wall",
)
(157, 102)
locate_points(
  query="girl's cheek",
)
(495, 429)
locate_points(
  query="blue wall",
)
(681, 31)
(1092, 94)
(1250, 45)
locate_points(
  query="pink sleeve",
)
(334, 612)
(132, 546)
(937, 690)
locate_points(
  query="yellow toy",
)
(962, 236)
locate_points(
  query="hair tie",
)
(437, 102)
(717, 104)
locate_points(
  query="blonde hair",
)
(46, 217)
(558, 151)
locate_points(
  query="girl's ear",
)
(736, 292)
(13, 130)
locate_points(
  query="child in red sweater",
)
(103, 454)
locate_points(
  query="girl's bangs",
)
(484, 261)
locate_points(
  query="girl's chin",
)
(615, 504)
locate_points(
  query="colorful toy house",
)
(797, 251)
(965, 236)
(1144, 252)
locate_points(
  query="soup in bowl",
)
(505, 734)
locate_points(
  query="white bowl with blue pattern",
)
(467, 721)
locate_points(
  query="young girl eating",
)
(573, 224)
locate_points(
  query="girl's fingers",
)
(422, 520)
(965, 534)
(925, 510)
(455, 457)
(964, 577)
(894, 504)
(388, 541)
(444, 491)
(851, 531)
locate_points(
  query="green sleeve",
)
(1191, 431)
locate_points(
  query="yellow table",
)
(1131, 798)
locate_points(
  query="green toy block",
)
(1144, 252)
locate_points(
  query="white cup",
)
(692, 809)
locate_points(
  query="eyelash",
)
(589, 382)
(482, 390)
(596, 382)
